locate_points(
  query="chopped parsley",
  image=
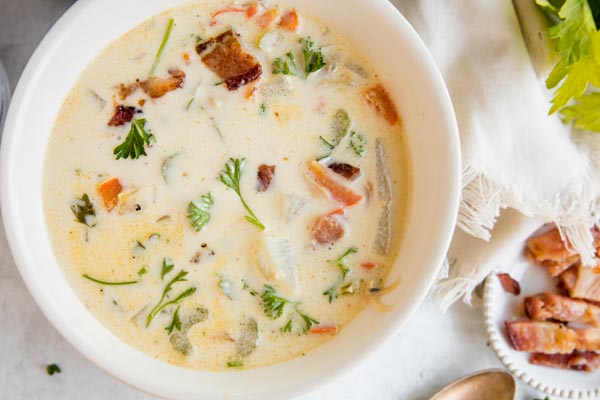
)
(198, 212)
(162, 304)
(308, 321)
(167, 266)
(340, 261)
(230, 177)
(235, 364)
(273, 304)
(142, 271)
(313, 59)
(84, 212)
(101, 282)
(162, 46)
(134, 145)
(175, 322)
(357, 143)
(53, 369)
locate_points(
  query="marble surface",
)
(430, 351)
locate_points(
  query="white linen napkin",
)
(514, 154)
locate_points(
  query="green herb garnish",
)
(53, 369)
(584, 113)
(162, 45)
(134, 145)
(161, 306)
(357, 143)
(340, 261)
(142, 271)
(272, 303)
(288, 327)
(340, 124)
(235, 364)
(84, 212)
(285, 66)
(167, 266)
(313, 59)
(332, 293)
(230, 177)
(263, 109)
(308, 321)
(198, 212)
(86, 276)
(175, 322)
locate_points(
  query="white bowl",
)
(379, 31)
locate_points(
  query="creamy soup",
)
(225, 186)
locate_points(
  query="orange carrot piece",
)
(109, 190)
(186, 57)
(379, 98)
(340, 193)
(324, 330)
(368, 265)
(252, 10)
(290, 21)
(267, 18)
(250, 91)
(338, 211)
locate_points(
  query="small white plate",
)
(500, 306)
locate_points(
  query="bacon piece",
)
(509, 284)
(157, 87)
(122, 115)
(340, 193)
(550, 306)
(109, 190)
(267, 18)
(348, 171)
(290, 21)
(379, 98)
(580, 361)
(264, 177)
(154, 86)
(551, 338)
(328, 229)
(582, 282)
(549, 246)
(225, 56)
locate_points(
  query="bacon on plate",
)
(582, 282)
(509, 284)
(225, 56)
(550, 306)
(580, 361)
(551, 338)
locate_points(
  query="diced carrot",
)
(225, 11)
(186, 57)
(267, 18)
(109, 190)
(324, 330)
(252, 10)
(379, 98)
(141, 102)
(290, 21)
(368, 265)
(338, 211)
(340, 193)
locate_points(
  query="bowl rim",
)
(19, 248)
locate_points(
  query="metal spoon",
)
(493, 384)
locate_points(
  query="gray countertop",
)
(430, 351)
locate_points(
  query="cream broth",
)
(227, 312)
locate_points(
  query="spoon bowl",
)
(493, 384)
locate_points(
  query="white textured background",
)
(432, 350)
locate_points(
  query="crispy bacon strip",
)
(509, 284)
(582, 282)
(379, 98)
(325, 179)
(551, 338)
(225, 56)
(154, 86)
(328, 229)
(550, 306)
(580, 361)
(348, 171)
(264, 177)
(122, 115)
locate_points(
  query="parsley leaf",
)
(167, 266)
(134, 145)
(84, 212)
(286, 66)
(340, 261)
(142, 271)
(584, 113)
(198, 212)
(101, 282)
(162, 45)
(53, 369)
(288, 327)
(308, 321)
(313, 59)
(162, 304)
(235, 364)
(230, 177)
(175, 323)
(272, 303)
